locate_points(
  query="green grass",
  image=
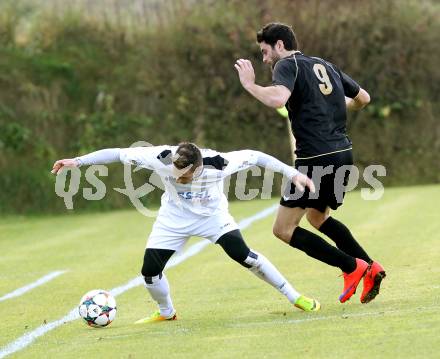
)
(225, 312)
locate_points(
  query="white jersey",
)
(198, 208)
(204, 194)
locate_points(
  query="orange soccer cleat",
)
(351, 280)
(373, 277)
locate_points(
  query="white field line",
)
(27, 338)
(37, 283)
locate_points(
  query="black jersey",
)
(316, 107)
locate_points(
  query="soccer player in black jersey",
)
(317, 95)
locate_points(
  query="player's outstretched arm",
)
(357, 103)
(245, 158)
(272, 96)
(300, 180)
(108, 155)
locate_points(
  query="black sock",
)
(314, 246)
(343, 238)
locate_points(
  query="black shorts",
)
(329, 174)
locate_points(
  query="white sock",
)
(266, 271)
(160, 291)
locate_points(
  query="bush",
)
(72, 83)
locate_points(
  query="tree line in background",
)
(72, 81)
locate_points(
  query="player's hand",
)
(245, 72)
(68, 162)
(301, 181)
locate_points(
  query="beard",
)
(275, 59)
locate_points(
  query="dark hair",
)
(275, 31)
(188, 154)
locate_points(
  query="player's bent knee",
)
(316, 219)
(150, 270)
(277, 232)
(155, 261)
(150, 267)
(312, 220)
(234, 246)
(283, 233)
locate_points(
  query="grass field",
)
(225, 312)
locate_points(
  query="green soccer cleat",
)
(307, 304)
(156, 317)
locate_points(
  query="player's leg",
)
(163, 242)
(345, 241)
(337, 232)
(287, 229)
(157, 284)
(333, 187)
(331, 195)
(233, 244)
(287, 221)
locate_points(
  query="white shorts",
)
(171, 230)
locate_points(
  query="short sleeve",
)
(285, 73)
(153, 157)
(351, 87)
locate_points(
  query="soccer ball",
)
(97, 308)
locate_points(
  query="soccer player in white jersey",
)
(194, 204)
